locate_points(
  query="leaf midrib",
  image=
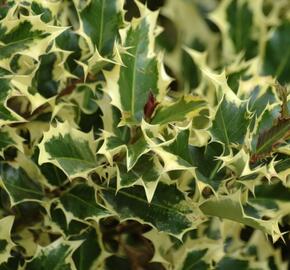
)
(7, 142)
(224, 128)
(101, 26)
(272, 139)
(169, 209)
(183, 113)
(193, 264)
(61, 261)
(134, 80)
(83, 201)
(25, 40)
(72, 158)
(23, 189)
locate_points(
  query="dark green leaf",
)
(88, 252)
(101, 20)
(194, 260)
(228, 263)
(53, 257)
(230, 123)
(168, 210)
(19, 185)
(240, 18)
(19, 38)
(277, 55)
(81, 202)
(185, 108)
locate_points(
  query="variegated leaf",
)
(186, 108)
(57, 256)
(101, 20)
(168, 211)
(69, 149)
(130, 84)
(80, 203)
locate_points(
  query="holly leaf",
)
(8, 138)
(194, 259)
(265, 127)
(276, 63)
(130, 84)
(208, 167)
(101, 21)
(57, 255)
(89, 252)
(168, 211)
(231, 122)
(69, 149)
(270, 138)
(140, 174)
(228, 263)
(241, 30)
(7, 116)
(113, 145)
(187, 108)
(19, 184)
(230, 207)
(80, 203)
(30, 36)
(135, 151)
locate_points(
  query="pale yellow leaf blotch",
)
(6, 224)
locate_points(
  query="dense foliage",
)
(144, 136)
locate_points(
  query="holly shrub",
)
(144, 134)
